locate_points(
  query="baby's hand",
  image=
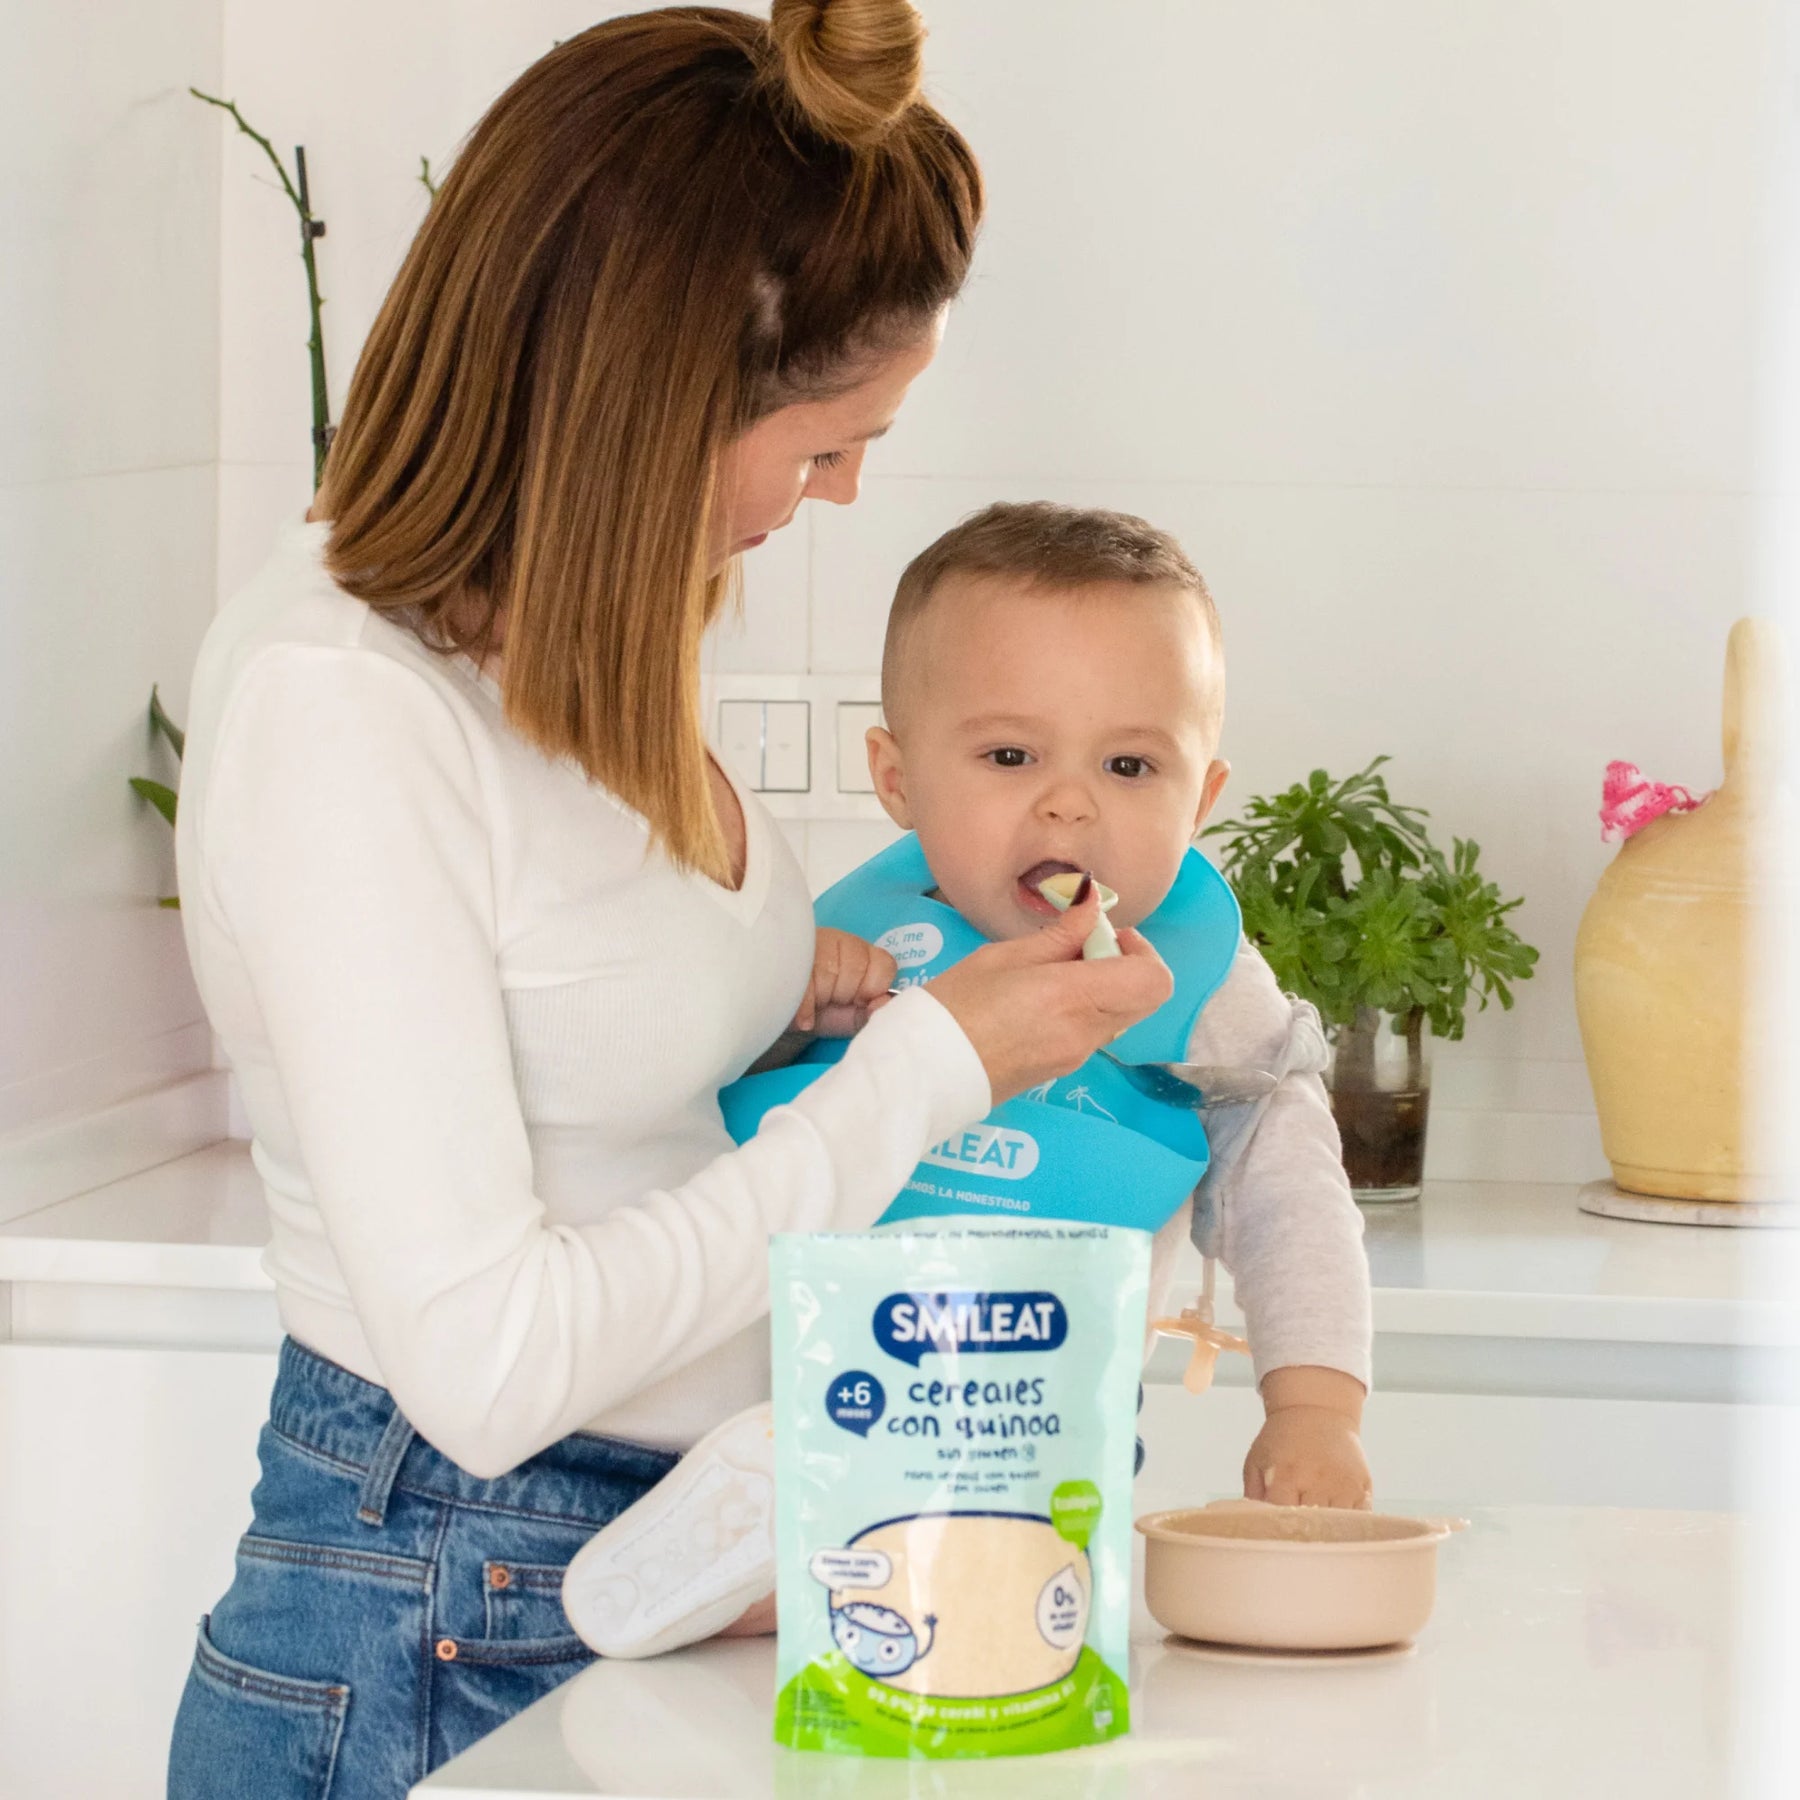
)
(1307, 1456)
(848, 976)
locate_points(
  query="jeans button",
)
(446, 1649)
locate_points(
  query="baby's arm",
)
(848, 975)
(1281, 1217)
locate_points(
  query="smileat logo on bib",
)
(987, 1150)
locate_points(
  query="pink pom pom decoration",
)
(1629, 802)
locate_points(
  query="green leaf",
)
(162, 798)
(1353, 905)
(161, 721)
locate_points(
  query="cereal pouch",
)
(954, 1425)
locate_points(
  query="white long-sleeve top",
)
(479, 1030)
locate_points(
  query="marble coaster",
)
(1289, 1659)
(1610, 1201)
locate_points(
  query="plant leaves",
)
(161, 721)
(1353, 905)
(162, 798)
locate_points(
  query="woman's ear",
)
(1217, 774)
(887, 769)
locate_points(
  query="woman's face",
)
(812, 450)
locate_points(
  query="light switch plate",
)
(855, 718)
(786, 743)
(741, 735)
(787, 747)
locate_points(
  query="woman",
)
(479, 921)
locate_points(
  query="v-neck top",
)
(479, 1024)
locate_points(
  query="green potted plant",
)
(1360, 913)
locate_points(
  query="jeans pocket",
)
(243, 1730)
(522, 1622)
(524, 1600)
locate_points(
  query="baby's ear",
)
(887, 769)
(1217, 774)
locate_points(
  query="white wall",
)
(108, 436)
(368, 90)
(1430, 329)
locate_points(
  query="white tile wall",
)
(1367, 241)
(107, 585)
(769, 627)
(109, 216)
(836, 846)
(108, 360)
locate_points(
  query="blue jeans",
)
(388, 1608)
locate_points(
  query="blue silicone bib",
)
(1088, 1147)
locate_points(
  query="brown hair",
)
(1051, 547)
(670, 225)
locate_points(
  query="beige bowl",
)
(1291, 1577)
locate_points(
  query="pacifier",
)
(1196, 1323)
(1062, 891)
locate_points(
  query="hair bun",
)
(852, 66)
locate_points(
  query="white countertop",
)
(1574, 1652)
(199, 1221)
(1473, 1259)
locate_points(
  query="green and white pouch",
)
(954, 1433)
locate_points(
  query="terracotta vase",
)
(1667, 962)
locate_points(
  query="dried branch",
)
(311, 228)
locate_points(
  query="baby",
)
(1053, 686)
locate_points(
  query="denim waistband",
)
(337, 1415)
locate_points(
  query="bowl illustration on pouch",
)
(963, 1605)
(876, 1640)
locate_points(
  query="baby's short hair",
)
(1050, 546)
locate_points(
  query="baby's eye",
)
(829, 459)
(1133, 768)
(1009, 756)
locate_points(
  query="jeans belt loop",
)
(378, 1484)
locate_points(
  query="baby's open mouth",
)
(1029, 896)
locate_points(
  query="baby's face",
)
(1051, 731)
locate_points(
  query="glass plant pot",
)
(1380, 1086)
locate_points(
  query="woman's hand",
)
(1034, 1010)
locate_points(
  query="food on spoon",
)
(1069, 889)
